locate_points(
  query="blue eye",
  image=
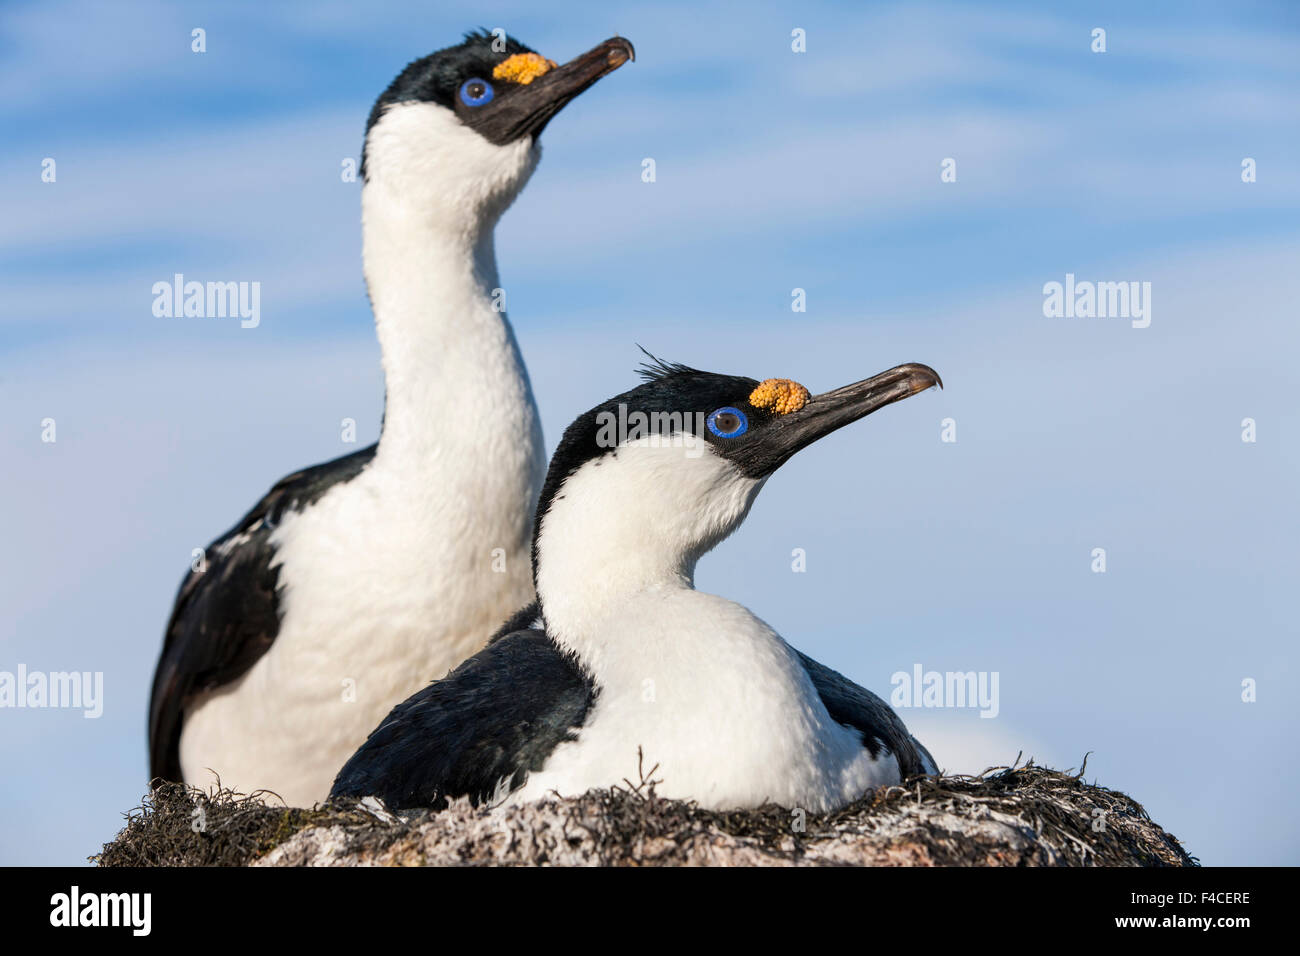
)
(728, 422)
(476, 92)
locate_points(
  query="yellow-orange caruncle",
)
(523, 68)
(781, 395)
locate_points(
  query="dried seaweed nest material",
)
(1007, 816)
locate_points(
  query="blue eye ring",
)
(483, 99)
(740, 429)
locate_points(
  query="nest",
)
(1022, 815)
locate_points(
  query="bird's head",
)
(456, 132)
(647, 482)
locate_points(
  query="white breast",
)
(719, 704)
(377, 601)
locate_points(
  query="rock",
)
(1016, 816)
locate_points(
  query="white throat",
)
(458, 397)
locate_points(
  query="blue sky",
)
(775, 170)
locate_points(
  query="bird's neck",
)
(626, 531)
(587, 584)
(458, 407)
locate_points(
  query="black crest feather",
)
(656, 369)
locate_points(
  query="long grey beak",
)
(527, 110)
(832, 410)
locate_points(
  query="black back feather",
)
(491, 721)
(857, 707)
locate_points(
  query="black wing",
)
(227, 616)
(881, 728)
(493, 719)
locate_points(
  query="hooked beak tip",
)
(922, 377)
(927, 372)
(620, 52)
